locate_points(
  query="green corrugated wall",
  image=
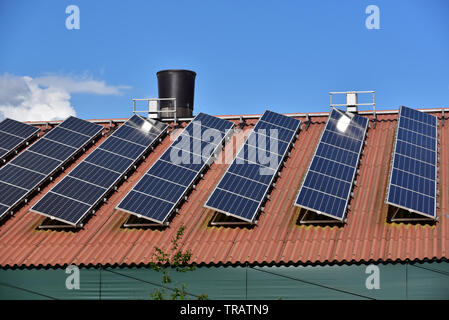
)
(397, 281)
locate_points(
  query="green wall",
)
(397, 281)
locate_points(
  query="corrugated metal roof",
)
(277, 238)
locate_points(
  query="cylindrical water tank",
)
(179, 84)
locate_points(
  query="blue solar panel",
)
(122, 147)
(94, 174)
(244, 185)
(20, 177)
(62, 206)
(108, 160)
(161, 189)
(10, 194)
(186, 159)
(14, 134)
(412, 184)
(280, 120)
(9, 142)
(36, 162)
(52, 149)
(88, 183)
(212, 122)
(34, 166)
(327, 185)
(135, 135)
(66, 137)
(17, 128)
(80, 126)
(79, 190)
(172, 172)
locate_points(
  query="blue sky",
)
(248, 55)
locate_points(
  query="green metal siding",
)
(397, 281)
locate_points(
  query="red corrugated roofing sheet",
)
(277, 238)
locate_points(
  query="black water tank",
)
(179, 84)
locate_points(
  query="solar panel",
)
(412, 185)
(157, 194)
(246, 182)
(14, 134)
(87, 184)
(326, 188)
(29, 170)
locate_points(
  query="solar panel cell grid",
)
(88, 183)
(17, 128)
(184, 158)
(212, 122)
(418, 127)
(20, 177)
(171, 172)
(329, 167)
(280, 120)
(122, 147)
(134, 135)
(3, 209)
(327, 185)
(137, 203)
(322, 202)
(36, 162)
(109, 160)
(8, 141)
(250, 154)
(80, 126)
(94, 174)
(415, 152)
(252, 171)
(160, 188)
(230, 202)
(63, 208)
(283, 134)
(261, 141)
(417, 139)
(67, 138)
(412, 182)
(418, 116)
(79, 190)
(244, 185)
(338, 155)
(31, 168)
(10, 194)
(159, 191)
(52, 149)
(194, 145)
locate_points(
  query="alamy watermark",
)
(72, 282)
(197, 145)
(373, 280)
(373, 20)
(73, 20)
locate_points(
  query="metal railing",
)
(373, 104)
(158, 111)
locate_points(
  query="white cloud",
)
(80, 85)
(48, 97)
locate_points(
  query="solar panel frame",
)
(259, 205)
(47, 176)
(91, 207)
(225, 135)
(353, 175)
(25, 138)
(435, 164)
